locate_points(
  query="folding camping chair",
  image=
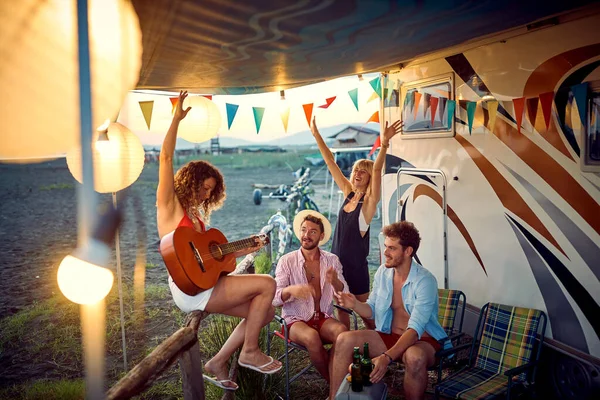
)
(504, 354)
(290, 347)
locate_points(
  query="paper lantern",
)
(118, 161)
(202, 122)
(39, 72)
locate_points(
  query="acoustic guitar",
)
(197, 260)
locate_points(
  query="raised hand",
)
(347, 300)
(180, 113)
(331, 275)
(313, 127)
(391, 131)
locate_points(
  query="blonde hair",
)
(188, 183)
(366, 165)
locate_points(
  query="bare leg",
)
(329, 333)
(217, 365)
(248, 297)
(342, 357)
(416, 359)
(308, 337)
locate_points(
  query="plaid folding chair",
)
(504, 354)
(448, 306)
(291, 346)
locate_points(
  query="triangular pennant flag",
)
(174, 101)
(208, 96)
(376, 145)
(376, 85)
(308, 109)
(532, 106)
(451, 108)
(580, 93)
(258, 116)
(147, 107)
(434, 103)
(231, 110)
(443, 101)
(427, 103)
(373, 97)
(285, 115)
(471, 107)
(385, 93)
(374, 117)
(354, 96)
(546, 102)
(486, 115)
(417, 101)
(519, 108)
(412, 100)
(492, 107)
(328, 102)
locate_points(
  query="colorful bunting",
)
(147, 107)
(308, 109)
(374, 117)
(471, 107)
(519, 105)
(434, 103)
(546, 100)
(532, 107)
(174, 101)
(328, 102)
(492, 107)
(427, 103)
(354, 96)
(486, 116)
(373, 97)
(258, 112)
(443, 101)
(417, 101)
(208, 96)
(580, 93)
(376, 85)
(376, 145)
(231, 110)
(285, 115)
(451, 108)
(412, 100)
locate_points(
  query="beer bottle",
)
(366, 366)
(355, 372)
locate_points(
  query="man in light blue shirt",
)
(404, 304)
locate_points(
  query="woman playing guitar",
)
(198, 186)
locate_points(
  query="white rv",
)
(499, 168)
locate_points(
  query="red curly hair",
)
(188, 183)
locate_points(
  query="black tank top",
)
(352, 248)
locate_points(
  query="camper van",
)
(498, 166)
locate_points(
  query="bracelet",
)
(388, 356)
(385, 146)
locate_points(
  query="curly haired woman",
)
(187, 199)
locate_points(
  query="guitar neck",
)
(232, 247)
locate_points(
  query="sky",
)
(341, 111)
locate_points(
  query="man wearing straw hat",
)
(306, 281)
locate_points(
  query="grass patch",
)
(292, 159)
(262, 263)
(57, 186)
(46, 390)
(157, 292)
(150, 265)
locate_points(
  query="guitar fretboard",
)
(232, 247)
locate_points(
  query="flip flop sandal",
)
(221, 383)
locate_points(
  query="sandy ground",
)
(38, 227)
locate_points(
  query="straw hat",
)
(300, 218)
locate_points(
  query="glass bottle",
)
(355, 372)
(366, 366)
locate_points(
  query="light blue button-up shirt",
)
(420, 298)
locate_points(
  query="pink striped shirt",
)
(290, 271)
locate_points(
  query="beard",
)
(309, 245)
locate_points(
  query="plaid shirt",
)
(290, 271)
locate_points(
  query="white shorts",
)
(187, 303)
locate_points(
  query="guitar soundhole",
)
(215, 251)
